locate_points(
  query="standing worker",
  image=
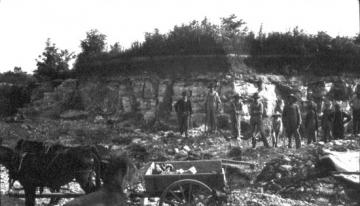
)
(189, 95)
(326, 122)
(355, 106)
(311, 101)
(292, 120)
(236, 112)
(212, 106)
(183, 110)
(277, 128)
(311, 123)
(339, 118)
(256, 121)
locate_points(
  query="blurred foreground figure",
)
(292, 120)
(339, 118)
(118, 172)
(183, 110)
(212, 106)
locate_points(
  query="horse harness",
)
(23, 155)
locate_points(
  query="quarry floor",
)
(169, 145)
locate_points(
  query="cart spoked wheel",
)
(186, 192)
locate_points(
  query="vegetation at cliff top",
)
(201, 46)
(275, 52)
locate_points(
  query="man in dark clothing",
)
(339, 119)
(183, 110)
(311, 123)
(256, 120)
(326, 122)
(355, 106)
(311, 101)
(292, 120)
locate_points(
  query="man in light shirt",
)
(212, 107)
(256, 121)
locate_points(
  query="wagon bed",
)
(210, 172)
(207, 185)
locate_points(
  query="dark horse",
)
(37, 164)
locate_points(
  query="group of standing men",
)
(333, 121)
(183, 110)
(286, 121)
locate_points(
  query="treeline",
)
(296, 52)
(199, 38)
(273, 52)
(15, 91)
(296, 42)
(195, 38)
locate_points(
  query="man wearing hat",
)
(212, 106)
(292, 120)
(183, 110)
(236, 111)
(256, 122)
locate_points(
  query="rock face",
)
(150, 97)
(52, 102)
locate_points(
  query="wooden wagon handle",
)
(237, 162)
(47, 195)
(345, 173)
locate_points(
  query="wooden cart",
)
(207, 186)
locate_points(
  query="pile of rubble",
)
(248, 197)
(342, 145)
(296, 174)
(289, 169)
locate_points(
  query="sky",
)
(25, 25)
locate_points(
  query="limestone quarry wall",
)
(145, 98)
(148, 98)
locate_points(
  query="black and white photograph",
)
(179, 103)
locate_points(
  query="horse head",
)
(120, 171)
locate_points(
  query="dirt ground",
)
(293, 187)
